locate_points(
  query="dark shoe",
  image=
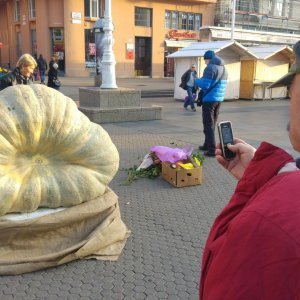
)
(185, 107)
(209, 154)
(202, 148)
(194, 109)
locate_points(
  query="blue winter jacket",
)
(213, 72)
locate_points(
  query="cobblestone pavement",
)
(169, 225)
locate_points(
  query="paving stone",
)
(74, 297)
(76, 283)
(85, 293)
(129, 278)
(162, 295)
(20, 296)
(140, 289)
(117, 296)
(152, 297)
(140, 296)
(150, 285)
(10, 291)
(75, 290)
(53, 297)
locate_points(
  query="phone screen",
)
(227, 135)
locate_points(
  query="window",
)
(31, 9)
(17, 10)
(168, 19)
(91, 8)
(101, 8)
(19, 44)
(58, 40)
(175, 19)
(33, 41)
(182, 20)
(198, 21)
(191, 24)
(90, 48)
(294, 9)
(143, 17)
(277, 8)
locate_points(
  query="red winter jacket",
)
(253, 249)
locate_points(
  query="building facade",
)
(145, 32)
(261, 15)
(256, 22)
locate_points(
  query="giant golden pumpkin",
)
(51, 155)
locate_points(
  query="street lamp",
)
(108, 59)
(233, 19)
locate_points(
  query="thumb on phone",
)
(244, 151)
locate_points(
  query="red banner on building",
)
(175, 34)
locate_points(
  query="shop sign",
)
(76, 15)
(129, 51)
(175, 34)
(76, 21)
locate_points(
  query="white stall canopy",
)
(272, 62)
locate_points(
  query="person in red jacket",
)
(253, 249)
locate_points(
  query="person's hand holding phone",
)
(237, 165)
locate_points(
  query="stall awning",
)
(179, 44)
(199, 48)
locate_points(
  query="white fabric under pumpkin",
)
(51, 237)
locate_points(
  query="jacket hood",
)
(216, 60)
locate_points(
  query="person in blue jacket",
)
(213, 85)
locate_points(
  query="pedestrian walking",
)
(42, 66)
(22, 74)
(188, 84)
(253, 249)
(213, 85)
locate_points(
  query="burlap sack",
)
(51, 237)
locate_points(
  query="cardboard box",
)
(181, 177)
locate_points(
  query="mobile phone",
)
(226, 138)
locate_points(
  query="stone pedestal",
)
(115, 105)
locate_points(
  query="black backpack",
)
(5, 81)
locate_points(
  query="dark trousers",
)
(42, 74)
(210, 112)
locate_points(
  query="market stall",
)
(272, 62)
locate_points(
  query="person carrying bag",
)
(213, 85)
(202, 94)
(53, 81)
(188, 84)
